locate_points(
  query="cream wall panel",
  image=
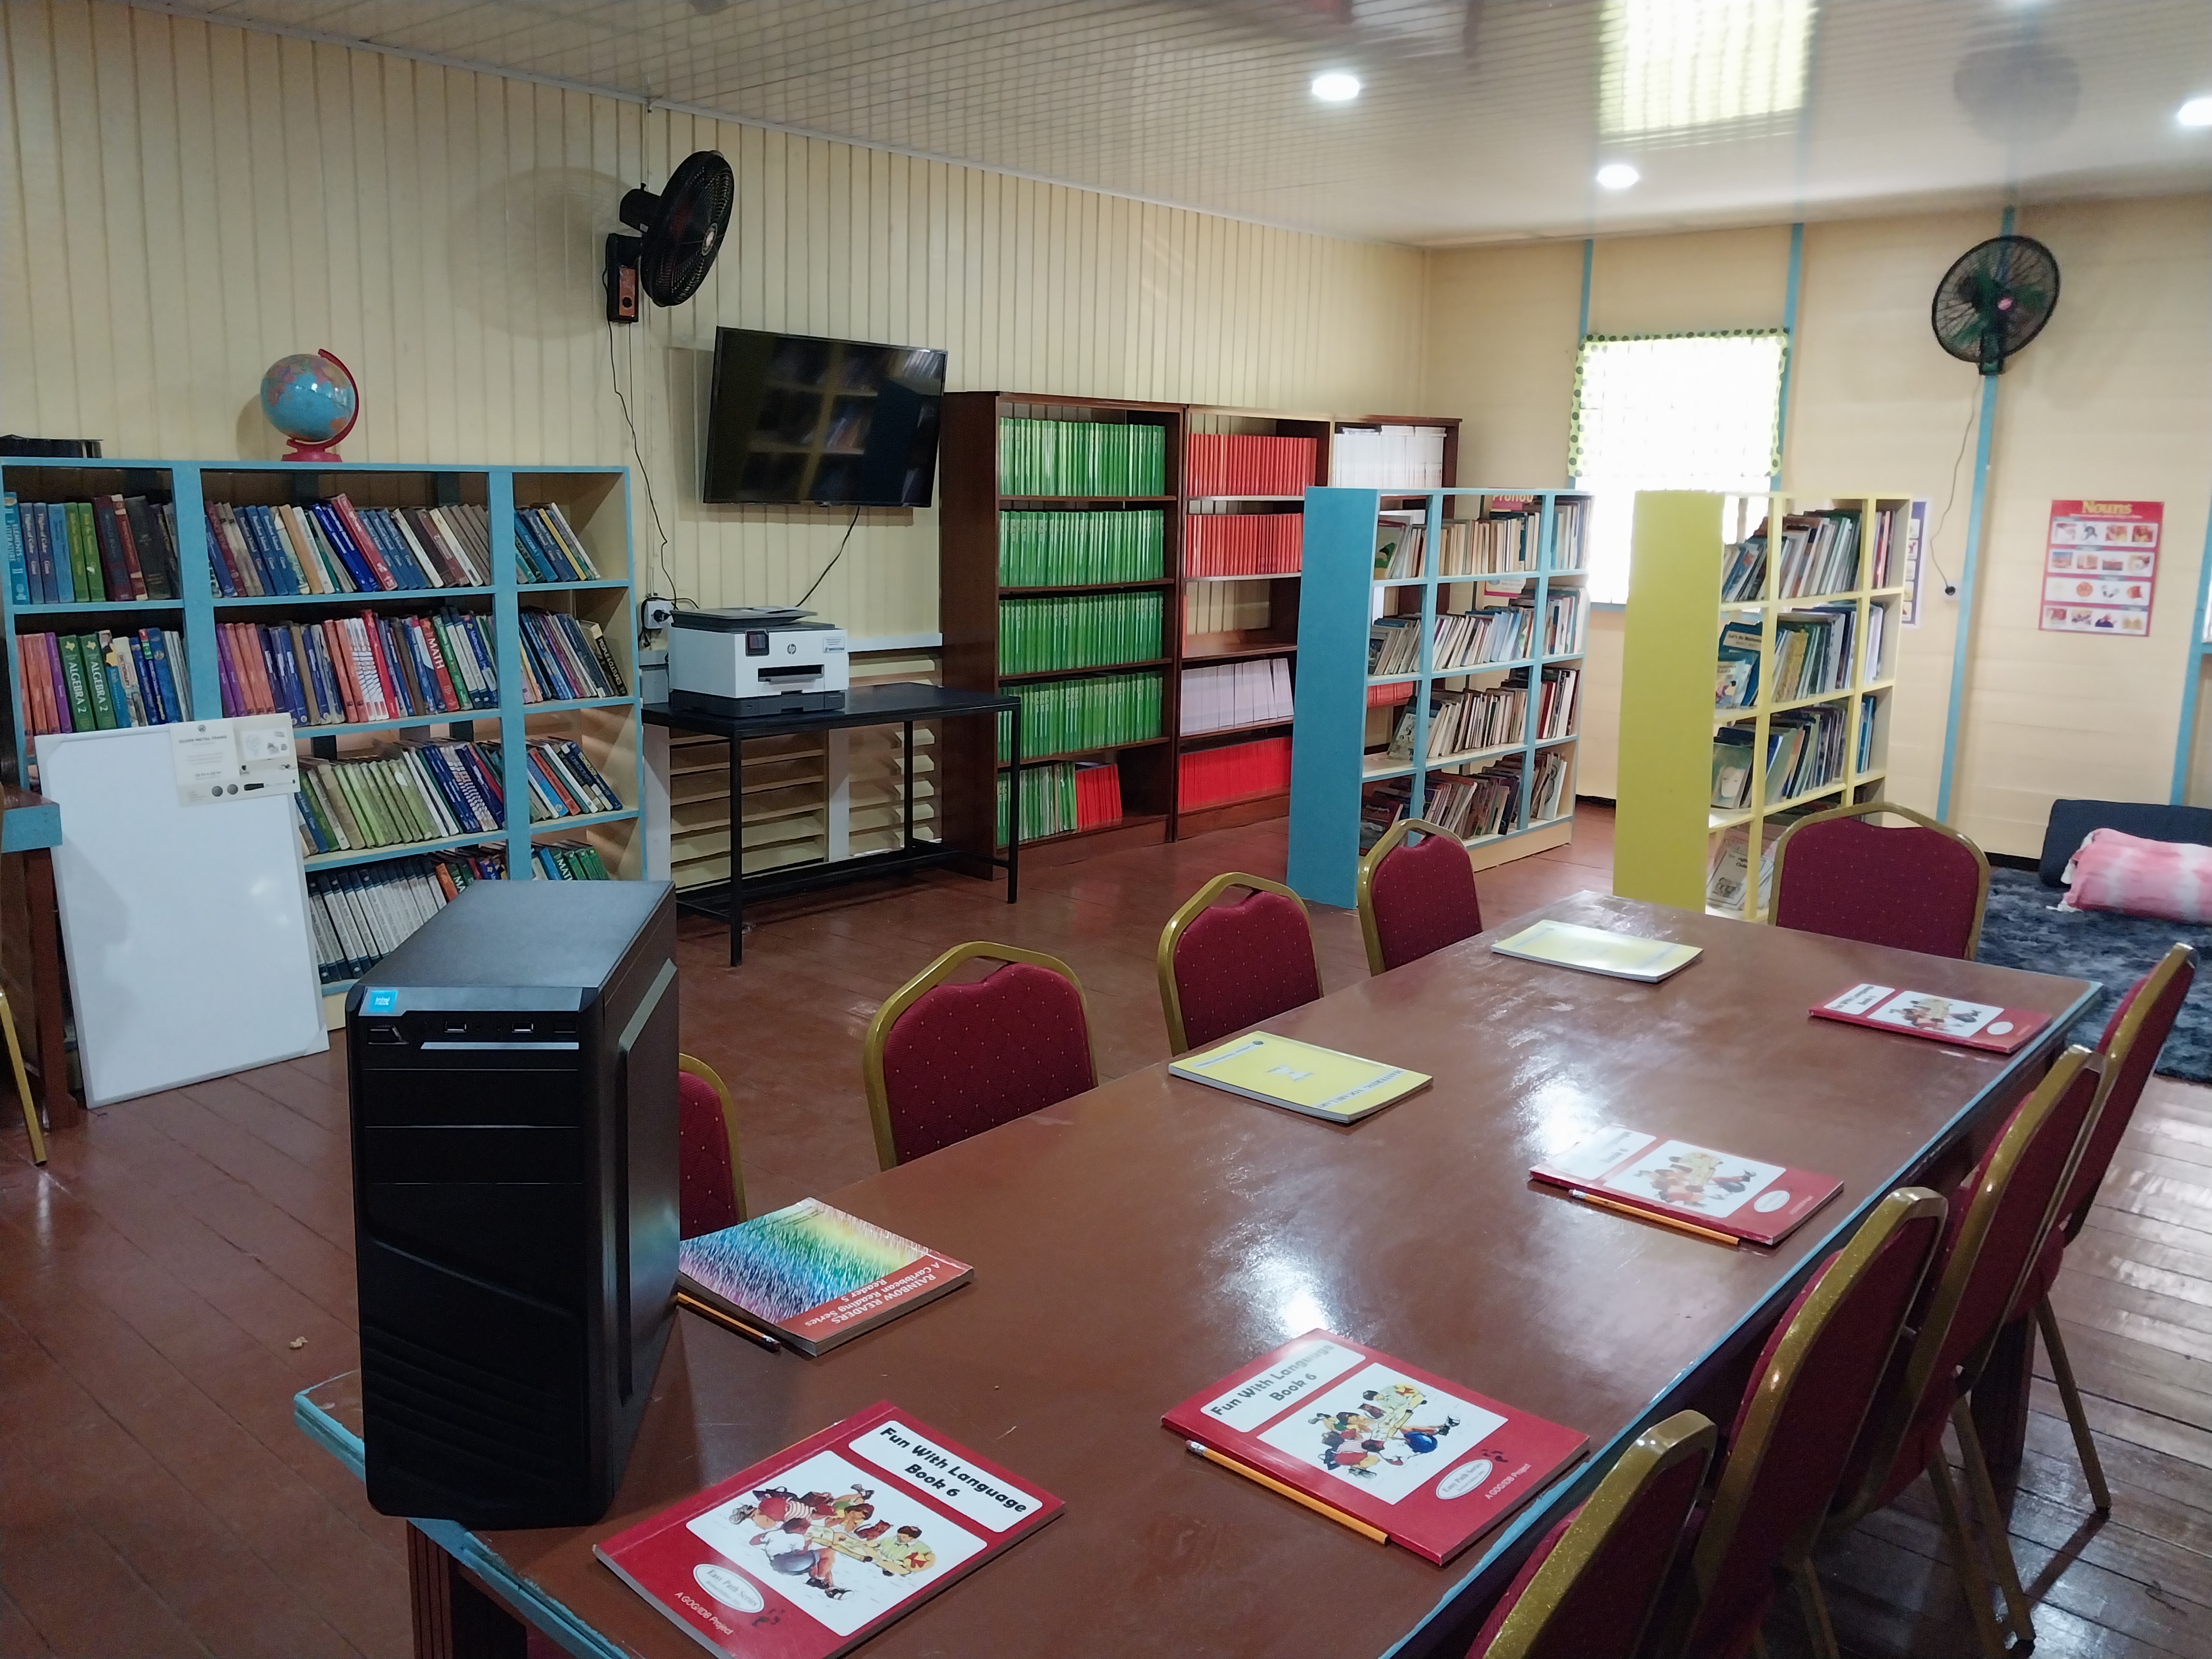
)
(2112, 401)
(233, 195)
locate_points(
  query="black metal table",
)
(899, 704)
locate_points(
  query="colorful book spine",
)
(1084, 630)
(1067, 549)
(1066, 717)
(1062, 798)
(1097, 458)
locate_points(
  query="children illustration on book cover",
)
(1694, 1178)
(1382, 1432)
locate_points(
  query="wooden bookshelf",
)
(593, 500)
(1668, 833)
(979, 493)
(1344, 776)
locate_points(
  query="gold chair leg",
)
(22, 1082)
(1814, 1606)
(1971, 1578)
(1984, 1492)
(2062, 1372)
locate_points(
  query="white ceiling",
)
(1480, 118)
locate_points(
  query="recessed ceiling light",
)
(1336, 86)
(1617, 175)
(2197, 113)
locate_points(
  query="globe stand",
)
(326, 449)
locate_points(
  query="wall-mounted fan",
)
(1995, 300)
(680, 232)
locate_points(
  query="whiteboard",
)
(190, 955)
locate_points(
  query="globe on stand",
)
(310, 397)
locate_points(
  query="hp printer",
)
(755, 661)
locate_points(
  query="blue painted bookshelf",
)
(594, 500)
(1343, 754)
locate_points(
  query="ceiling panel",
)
(1479, 118)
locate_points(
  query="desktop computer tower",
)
(512, 1070)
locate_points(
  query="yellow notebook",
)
(1319, 1082)
(1598, 951)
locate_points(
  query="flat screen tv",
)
(828, 422)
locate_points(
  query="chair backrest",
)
(1223, 967)
(1997, 1223)
(2132, 1039)
(1920, 888)
(1801, 1412)
(1415, 898)
(710, 1183)
(1589, 1587)
(941, 1062)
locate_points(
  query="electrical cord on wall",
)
(1950, 587)
(644, 473)
(834, 557)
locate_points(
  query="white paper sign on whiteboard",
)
(190, 955)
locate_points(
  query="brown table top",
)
(1141, 1241)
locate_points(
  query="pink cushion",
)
(1422, 899)
(1238, 964)
(2168, 879)
(967, 1058)
(707, 1197)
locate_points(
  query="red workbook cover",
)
(812, 1552)
(1742, 1197)
(1922, 1013)
(1434, 1465)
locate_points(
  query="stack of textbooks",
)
(1812, 652)
(1495, 544)
(1380, 807)
(1388, 457)
(1082, 457)
(549, 550)
(1555, 704)
(1468, 639)
(1473, 806)
(1065, 550)
(1243, 544)
(1547, 786)
(567, 660)
(1877, 621)
(1462, 722)
(98, 682)
(1569, 534)
(569, 861)
(1084, 630)
(360, 915)
(1398, 544)
(109, 549)
(1233, 464)
(1394, 646)
(355, 670)
(412, 792)
(1867, 708)
(1819, 554)
(1061, 797)
(1205, 777)
(1804, 750)
(1732, 768)
(1743, 573)
(1727, 871)
(1236, 694)
(335, 547)
(1563, 622)
(1067, 717)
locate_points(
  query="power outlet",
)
(659, 613)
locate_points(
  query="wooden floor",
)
(183, 1265)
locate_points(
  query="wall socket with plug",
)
(658, 614)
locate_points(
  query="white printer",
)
(755, 660)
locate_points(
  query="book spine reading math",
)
(807, 1553)
(1944, 1019)
(813, 1275)
(1694, 1188)
(1431, 1464)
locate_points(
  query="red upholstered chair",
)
(942, 1062)
(1224, 967)
(1415, 898)
(2132, 1039)
(1588, 1588)
(1921, 887)
(1795, 1428)
(710, 1187)
(1997, 1223)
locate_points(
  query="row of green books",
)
(1061, 549)
(1082, 457)
(1062, 797)
(1084, 630)
(1065, 717)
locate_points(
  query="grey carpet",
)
(2021, 930)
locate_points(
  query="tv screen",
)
(830, 423)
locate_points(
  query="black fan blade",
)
(687, 232)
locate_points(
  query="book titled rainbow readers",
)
(812, 1274)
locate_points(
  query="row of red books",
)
(1098, 795)
(1206, 776)
(1243, 544)
(1234, 464)
(1384, 697)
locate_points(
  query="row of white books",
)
(1237, 694)
(1388, 457)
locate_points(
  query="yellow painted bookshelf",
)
(1757, 677)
